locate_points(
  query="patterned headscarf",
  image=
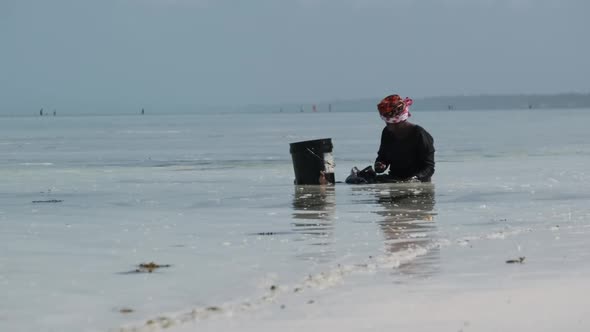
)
(394, 109)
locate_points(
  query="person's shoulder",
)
(421, 130)
(423, 133)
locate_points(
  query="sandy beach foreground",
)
(548, 305)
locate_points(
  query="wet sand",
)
(460, 285)
(404, 257)
(547, 305)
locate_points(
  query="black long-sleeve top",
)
(410, 156)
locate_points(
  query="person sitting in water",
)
(406, 148)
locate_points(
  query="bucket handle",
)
(313, 153)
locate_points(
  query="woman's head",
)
(394, 109)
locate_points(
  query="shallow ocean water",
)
(213, 196)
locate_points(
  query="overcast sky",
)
(177, 53)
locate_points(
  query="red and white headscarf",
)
(394, 109)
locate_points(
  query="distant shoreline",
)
(493, 102)
(465, 103)
(436, 103)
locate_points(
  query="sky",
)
(173, 54)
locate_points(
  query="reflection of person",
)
(408, 223)
(406, 148)
(407, 202)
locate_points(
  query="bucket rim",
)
(319, 140)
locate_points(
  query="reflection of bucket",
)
(310, 158)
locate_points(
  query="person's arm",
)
(381, 163)
(427, 154)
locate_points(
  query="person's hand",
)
(380, 167)
(322, 180)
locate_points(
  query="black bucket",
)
(310, 158)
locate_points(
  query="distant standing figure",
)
(142, 112)
(41, 112)
(406, 148)
(54, 113)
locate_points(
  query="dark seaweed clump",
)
(147, 268)
(49, 201)
(520, 260)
